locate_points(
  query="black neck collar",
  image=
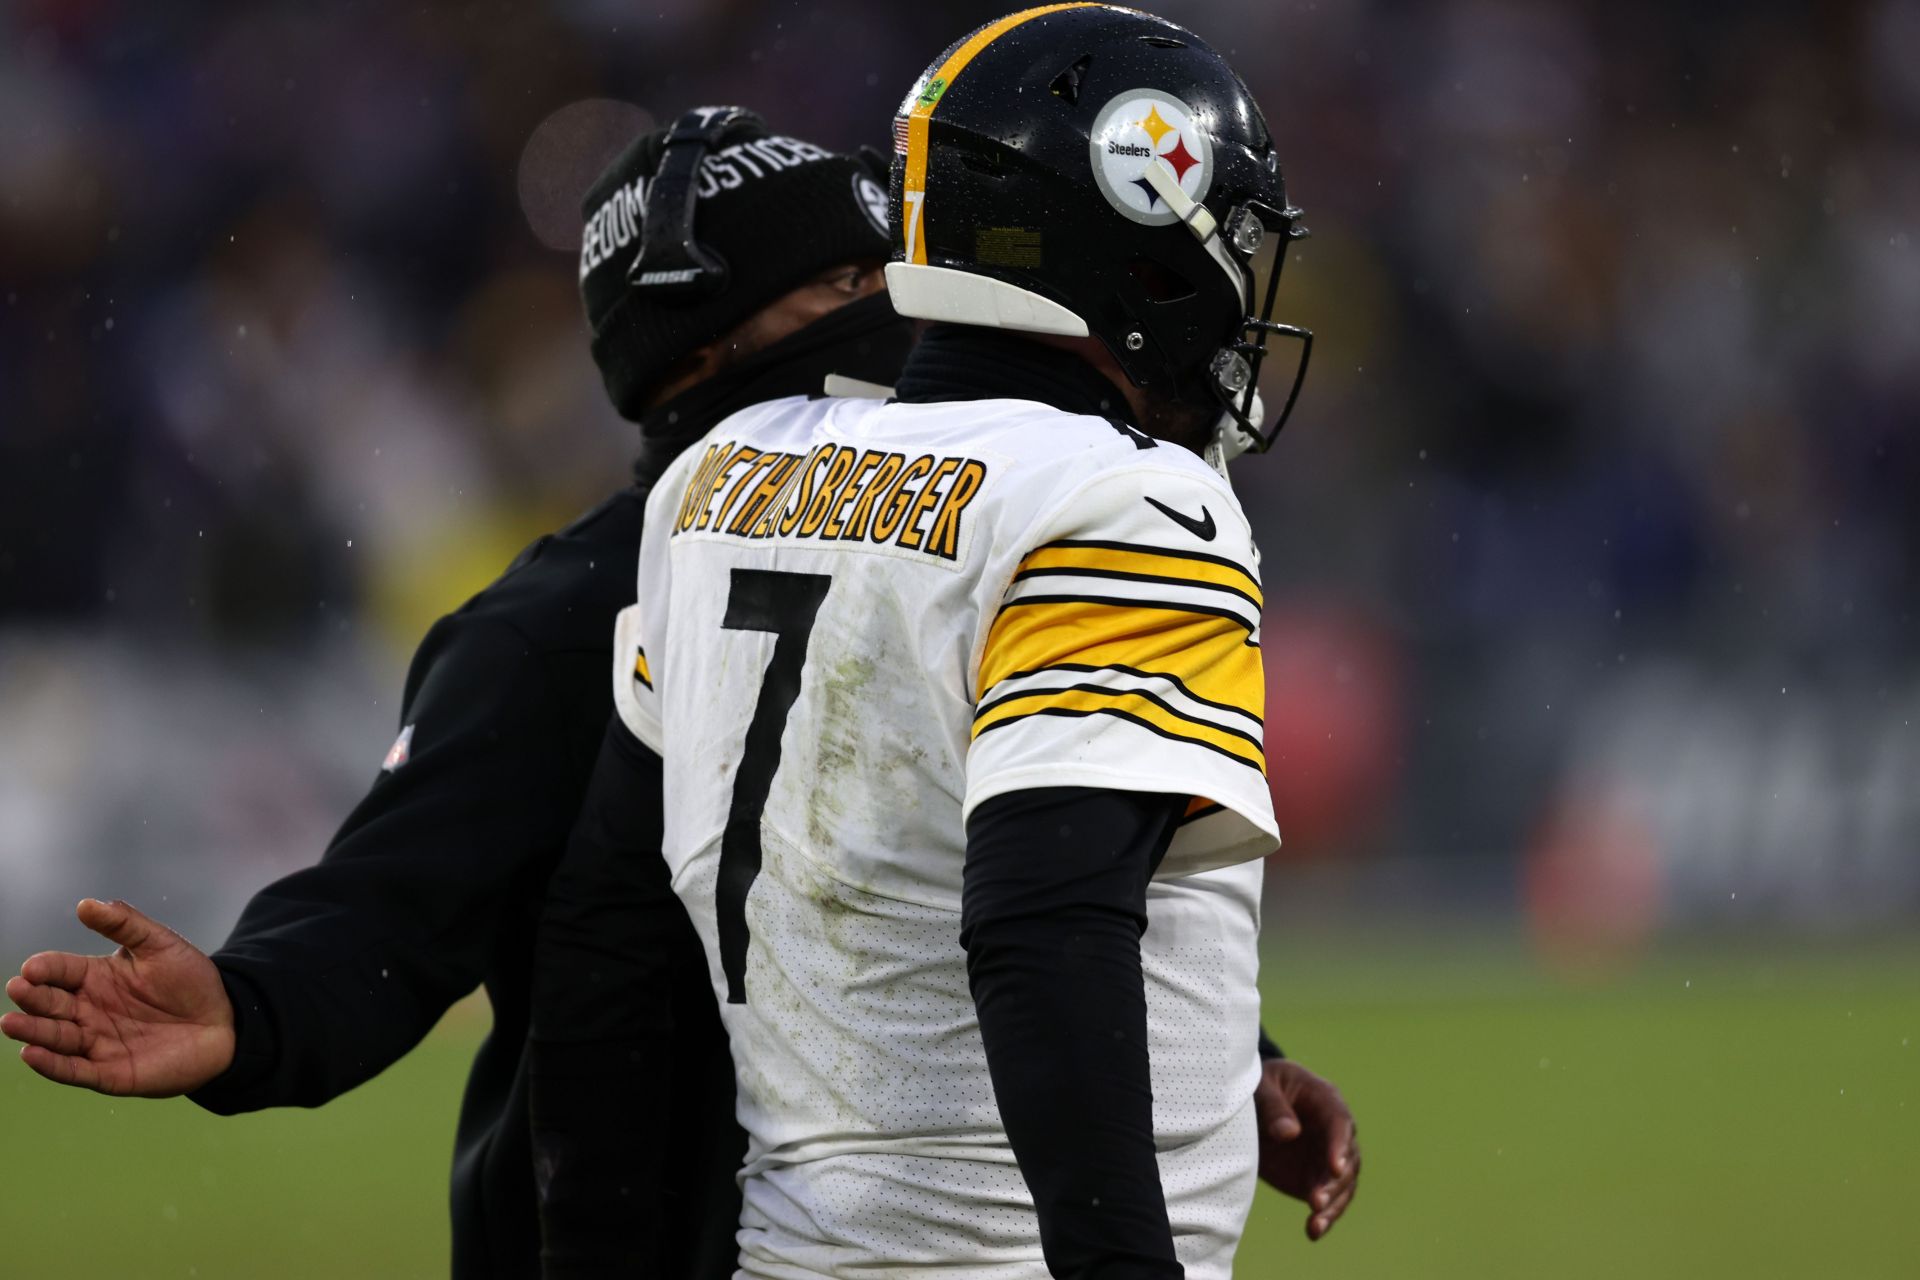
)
(865, 339)
(960, 362)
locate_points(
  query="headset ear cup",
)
(671, 263)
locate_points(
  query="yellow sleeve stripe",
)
(1136, 560)
(640, 670)
(1212, 655)
(1133, 705)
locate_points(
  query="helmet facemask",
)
(1251, 248)
(1258, 235)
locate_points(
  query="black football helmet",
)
(1084, 169)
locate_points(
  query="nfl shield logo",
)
(400, 751)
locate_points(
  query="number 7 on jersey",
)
(785, 604)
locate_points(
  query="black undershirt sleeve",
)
(630, 1084)
(1052, 908)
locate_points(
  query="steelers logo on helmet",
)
(1143, 127)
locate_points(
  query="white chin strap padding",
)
(1199, 221)
(1230, 439)
(959, 297)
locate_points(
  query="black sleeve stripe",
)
(1168, 676)
(1141, 694)
(1124, 603)
(1149, 726)
(1146, 549)
(1198, 814)
(1068, 571)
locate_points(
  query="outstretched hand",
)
(1308, 1146)
(152, 1020)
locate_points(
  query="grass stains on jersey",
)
(834, 493)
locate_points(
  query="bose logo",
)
(667, 277)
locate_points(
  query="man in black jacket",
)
(434, 884)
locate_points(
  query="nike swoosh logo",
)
(1202, 528)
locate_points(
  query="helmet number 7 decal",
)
(912, 202)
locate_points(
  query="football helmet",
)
(1084, 169)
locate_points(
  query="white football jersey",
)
(855, 622)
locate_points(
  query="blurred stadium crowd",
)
(1592, 552)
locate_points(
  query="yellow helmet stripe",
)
(914, 188)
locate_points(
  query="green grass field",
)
(1743, 1113)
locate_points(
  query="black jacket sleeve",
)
(1053, 904)
(631, 1086)
(339, 969)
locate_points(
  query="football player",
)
(434, 884)
(955, 694)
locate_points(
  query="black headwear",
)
(696, 227)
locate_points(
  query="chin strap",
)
(1201, 223)
(1230, 439)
